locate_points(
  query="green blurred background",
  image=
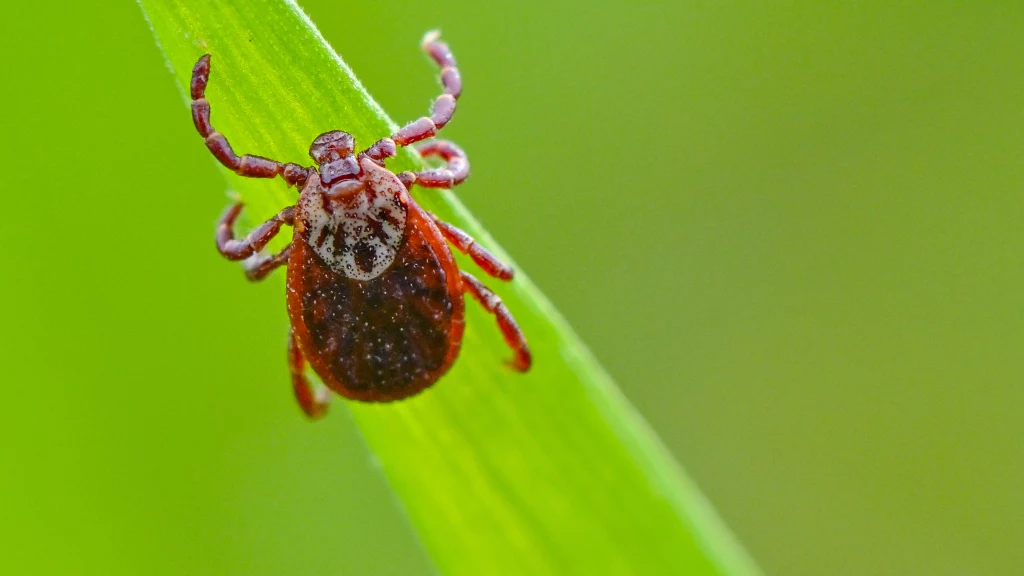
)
(791, 233)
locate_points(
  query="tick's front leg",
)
(313, 402)
(444, 106)
(233, 249)
(509, 329)
(248, 165)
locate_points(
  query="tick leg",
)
(509, 329)
(233, 249)
(455, 172)
(247, 164)
(465, 243)
(441, 114)
(313, 403)
(444, 106)
(258, 267)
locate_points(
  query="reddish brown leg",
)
(381, 149)
(513, 335)
(444, 106)
(313, 402)
(455, 172)
(241, 249)
(258, 267)
(247, 164)
(441, 114)
(487, 262)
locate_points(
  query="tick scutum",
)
(385, 338)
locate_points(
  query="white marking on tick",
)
(361, 233)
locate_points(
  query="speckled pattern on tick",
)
(375, 298)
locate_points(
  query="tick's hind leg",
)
(233, 249)
(313, 402)
(247, 164)
(465, 243)
(455, 171)
(509, 329)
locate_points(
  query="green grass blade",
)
(548, 473)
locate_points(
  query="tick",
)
(375, 298)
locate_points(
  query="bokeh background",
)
(792, 233)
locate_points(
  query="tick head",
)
(333, 154)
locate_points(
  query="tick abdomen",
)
(384, 338)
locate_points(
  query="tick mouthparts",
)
(340, 169)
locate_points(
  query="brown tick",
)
(375, 298)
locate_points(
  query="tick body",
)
(375, 299)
